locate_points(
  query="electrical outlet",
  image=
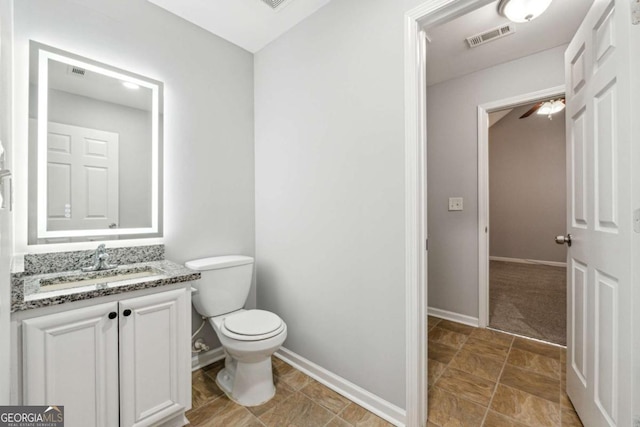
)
(455, 203)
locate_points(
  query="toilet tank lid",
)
(213, 263)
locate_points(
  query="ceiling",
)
(449, 56)
(250, 24)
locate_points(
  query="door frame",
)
(483, 186)
(430, 12)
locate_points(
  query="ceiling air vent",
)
(76, 71)
(490, 35)
(275, 4)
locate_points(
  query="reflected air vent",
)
(76, 71)
(274, 4)
(490, 35)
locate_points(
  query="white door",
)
(71, 359)
(599, 263)
(155, 357)
(82, 178)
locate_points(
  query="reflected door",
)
(82, 178)
(599, 216)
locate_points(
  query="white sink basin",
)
(114, 277)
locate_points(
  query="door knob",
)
(561, 240)
(127, 312)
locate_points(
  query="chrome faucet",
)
(100, 262)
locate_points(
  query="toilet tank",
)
(224, 286)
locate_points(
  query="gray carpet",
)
(529, 300)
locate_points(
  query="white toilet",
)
(249, 337)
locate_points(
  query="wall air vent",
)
(76, 71)
(275, 4)
(491, 35)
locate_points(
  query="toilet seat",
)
(252, 325)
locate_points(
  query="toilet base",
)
(247, 384)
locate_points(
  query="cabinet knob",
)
(113, 315)
(127, 312)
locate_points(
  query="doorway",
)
(526, 209)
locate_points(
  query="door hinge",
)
(427, 245)
(636, 223)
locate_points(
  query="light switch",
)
(455, 203)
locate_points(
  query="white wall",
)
(527, 186)
(330, 190)
(208, 111)
(452, 170)
(635, 87)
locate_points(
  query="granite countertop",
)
(41, 290)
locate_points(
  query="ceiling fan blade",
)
(532, 110)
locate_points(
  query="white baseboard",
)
(528, 261)
(357, 394)
(454, 317)
(206, 358)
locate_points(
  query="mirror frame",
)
(45, 54)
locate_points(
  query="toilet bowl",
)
(248, 342)
(249, 337)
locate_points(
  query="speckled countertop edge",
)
(27, 285)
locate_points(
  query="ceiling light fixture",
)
(522, 10)
(551, 107)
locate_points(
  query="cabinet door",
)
(155, 363)
(71, 359)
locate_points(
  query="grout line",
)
(495, 389)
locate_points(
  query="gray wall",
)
(208, 111)
(452, 169)
(527, 186)
(330, 190)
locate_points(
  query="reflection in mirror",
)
(95, 150)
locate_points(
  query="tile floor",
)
(478, 377)
(300, 401)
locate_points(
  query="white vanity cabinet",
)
(120, 363)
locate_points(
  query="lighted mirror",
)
(95, 150)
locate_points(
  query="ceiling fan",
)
(546, 108)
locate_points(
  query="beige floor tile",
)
(325, 397)
(456, 327)
(570, 418)
(495, 419)
(200, 416)
(440, 352)
(432, 321)
(537, 347)
(476, 364)
(492, 336)
(280, 368)
(535, 362)
(296, 411)
(203, 389)
(447, 337)
(295, 379)
(283, 391)
(565, 402)
(525, 408)
(434, 369)
(447, 409)
(466, 386)
(338, 422)
(357, 416)
(532, 383)
(486, 349)
(238, 417)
